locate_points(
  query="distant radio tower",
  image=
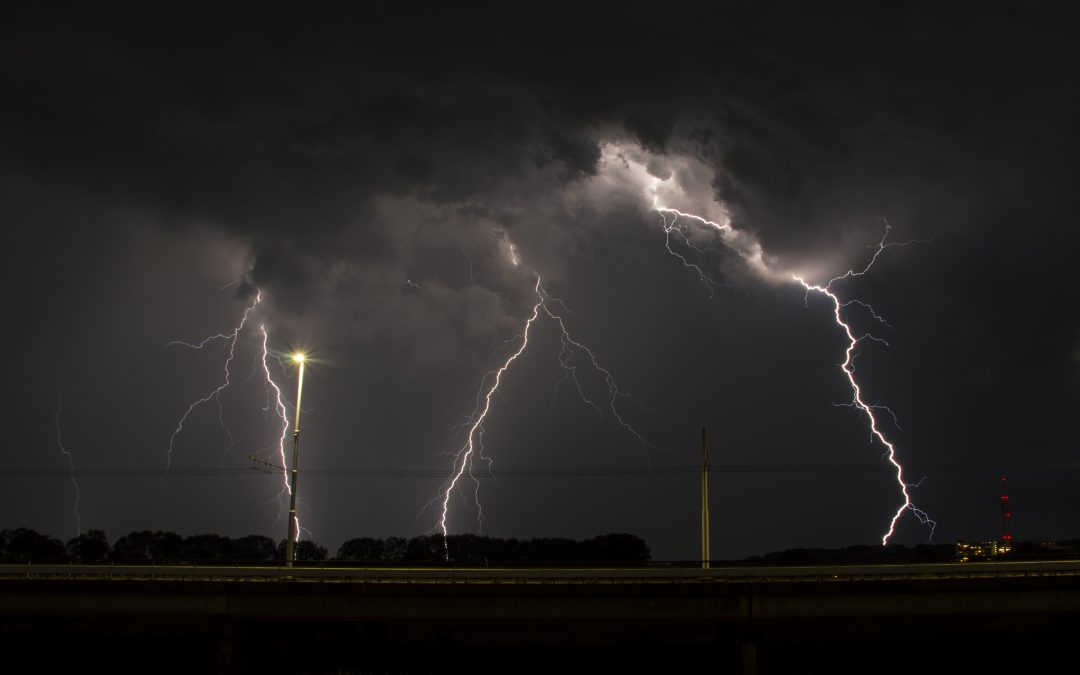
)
(1006, 516)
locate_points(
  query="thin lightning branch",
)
(614, 393)
(879, 248)
(869, 309)
(254, 371)
(472, 281)
(231, 338)
(548, 297)
(71, 463)
(228, 431)
(566, 356)
(851, 404)
(673, 228)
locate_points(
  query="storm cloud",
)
(369, 170)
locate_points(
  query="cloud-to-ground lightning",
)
(857, 400)
(463, 458)
(751, 252)
(490, 382)
(71, 463)
(278, 404)
(282, 413)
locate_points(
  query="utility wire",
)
(519, 472)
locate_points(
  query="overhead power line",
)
(516, 472)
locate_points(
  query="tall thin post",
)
(1006, 518)
(705, 555)
(290, 543)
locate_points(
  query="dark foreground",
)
(872, 618)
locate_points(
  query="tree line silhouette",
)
(23, 545)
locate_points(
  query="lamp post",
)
(290, 543)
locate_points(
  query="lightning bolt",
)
(752, 253)
(71, 463)
(473, 441)
(857, 401)
(278, 403)
(231, 339)
(473, 446)
(282, 413)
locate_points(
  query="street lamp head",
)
(298, 357)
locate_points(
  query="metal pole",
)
(290, 543)
(705, 554)
(1006, 518)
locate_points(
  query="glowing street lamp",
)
(290, 543)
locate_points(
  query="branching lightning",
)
(463, 458)
(231, 339)
(752, 254)
(277, 405)
(857, 396)
(473, 448)
(566, 354)
(674, 227)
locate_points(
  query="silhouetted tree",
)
(362, 548)
(200, 547)
(394, 548)
(25, 545)
(305, 550)
(253, 548)
(147, 546)
(796, 556)
(89, 547)
(620, 547)
(468, 549)
(471, 549)
(859, 553)
(425, 548)
(309, 550)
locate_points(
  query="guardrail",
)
(734, 574)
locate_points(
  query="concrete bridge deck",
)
(739, 619)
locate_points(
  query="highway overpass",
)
(224, 618)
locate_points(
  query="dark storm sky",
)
(148, 160)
